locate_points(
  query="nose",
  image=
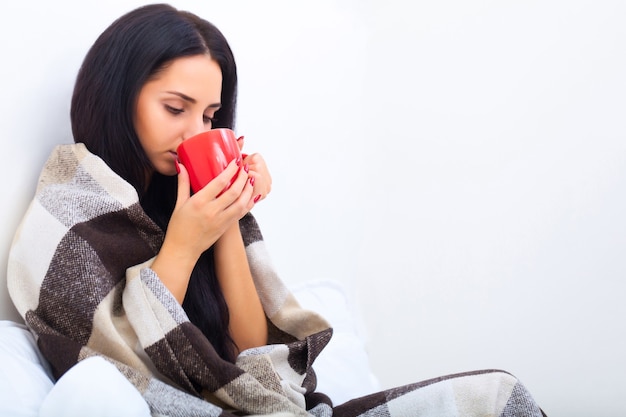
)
(194, 127)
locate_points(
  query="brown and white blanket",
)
(79, 273)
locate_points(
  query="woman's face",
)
(178, 103)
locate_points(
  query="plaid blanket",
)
(79, 273)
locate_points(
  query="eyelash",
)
(211, 120)
(176, 111)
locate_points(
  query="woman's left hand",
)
(262, 184)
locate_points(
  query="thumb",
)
(184, 189)
(240, 142)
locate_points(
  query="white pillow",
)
(343, 370)
(95, 388)
(25, 379)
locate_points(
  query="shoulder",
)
(76, 185)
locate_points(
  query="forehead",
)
(198, 76)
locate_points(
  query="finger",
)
(240, 142)
(238, 183)
(184, 190)
(220, 183)
(244, 200)
(262, 184)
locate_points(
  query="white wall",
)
(461, 165)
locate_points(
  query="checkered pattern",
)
(79, 273)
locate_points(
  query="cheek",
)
(147, 123)
(139, 120)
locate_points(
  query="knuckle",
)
(222, 180)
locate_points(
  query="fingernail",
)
(238, 160)
(257, 198)
(177, 167)
(239, 138)
(252, 181)
(246, 168)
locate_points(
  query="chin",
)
(167, 171)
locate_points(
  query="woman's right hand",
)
(198, 221)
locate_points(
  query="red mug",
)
(207, 154)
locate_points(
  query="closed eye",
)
(174, 110)
(177, 111)
(208, 119)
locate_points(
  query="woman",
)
(115, 257)
(134, 113)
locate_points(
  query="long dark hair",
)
(131, 51)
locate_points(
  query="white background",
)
(459, 165)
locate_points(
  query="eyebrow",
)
(192, 100)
